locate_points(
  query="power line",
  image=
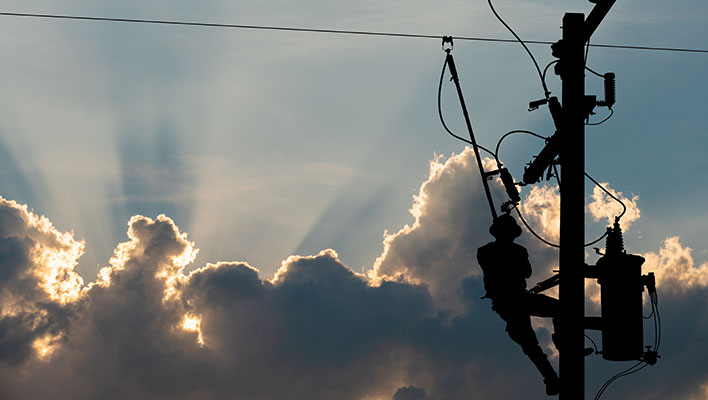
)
(535, 63)
(337, 31)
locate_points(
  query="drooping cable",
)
(624, 207)
(612, 112)
(657, 321)
(629, 371)
(594, 345)
(442, 120)
(496, 156)
(545, 70)
(526, 224)
(546, 92)
(604, 235)
(594, 72)
(534, 232)
(504, 136)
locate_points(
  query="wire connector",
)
(446, 40)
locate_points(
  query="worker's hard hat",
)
(505, 226)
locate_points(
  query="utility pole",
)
(571, 68)
(572, 208)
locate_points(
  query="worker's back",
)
(505, 266)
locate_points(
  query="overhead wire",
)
(546, 92)
(336, 31)
(389, 34)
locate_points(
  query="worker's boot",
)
(552, 385)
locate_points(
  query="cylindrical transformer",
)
(620, 279)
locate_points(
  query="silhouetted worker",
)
(506, 267)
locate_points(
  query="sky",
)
(336, 223)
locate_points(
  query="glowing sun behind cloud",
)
(192, 323)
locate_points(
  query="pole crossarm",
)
(598, 13)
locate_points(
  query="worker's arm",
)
(525, 264)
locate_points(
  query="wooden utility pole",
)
(572, 208)
(571, 67)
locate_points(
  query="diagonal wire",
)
(335, 31)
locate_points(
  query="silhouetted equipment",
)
(505, 264)
(620, 279)
(547, 157)
(546, 284)
(509, 186)
(544, 160)
(622, 283)
(610, 96)
(450, 62)
(610, 90)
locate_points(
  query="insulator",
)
(610, 90)
(534, 172)
(614, 244)
(509, 185)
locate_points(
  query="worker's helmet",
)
(505, 226)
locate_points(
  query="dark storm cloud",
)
(315, 330)
(410, 393)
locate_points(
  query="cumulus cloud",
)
(451, 220)
(542, 206)
(316, 329)
(38, 284)
(602, 206)
(674, 267)
(410, 393)
(439, 248)
(412, 327)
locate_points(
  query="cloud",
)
(410, 393)
(452, 219)
(38, 285)
(413, 327)
(316, 329)
(675, 269)
(603, 206)
(542, 205)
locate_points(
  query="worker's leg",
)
(540, 305)
(520, 331)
